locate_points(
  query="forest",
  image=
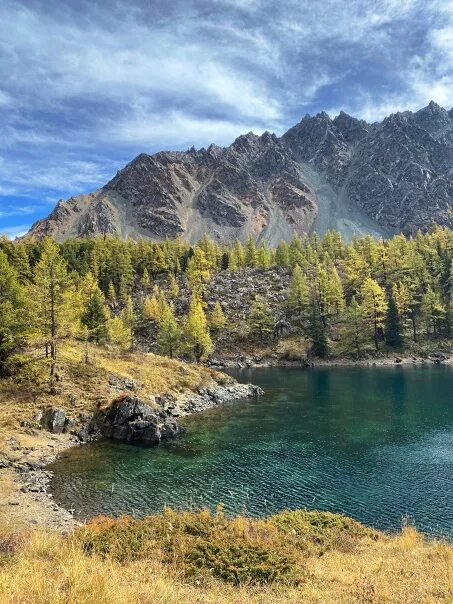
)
(341, 298)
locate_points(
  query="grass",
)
(197, 557)
(84, 387)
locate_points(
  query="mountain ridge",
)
(390, 176)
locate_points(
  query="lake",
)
(373, 443)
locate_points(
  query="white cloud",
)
(66, 175)
(15, 210)
(174, 128)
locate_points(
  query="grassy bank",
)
(178, 558)
(82, 386)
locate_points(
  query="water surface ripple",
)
(373, 443)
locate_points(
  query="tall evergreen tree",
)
(52, 306)
(251, 253)
(261, 320)
(95, 314)
(298, 295)
(217, 319)
(353, 332)
(197, 333)
(393, 328)
(198, 272)
(168, 332)
(13, 312)
(374, 306)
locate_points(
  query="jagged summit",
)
(343, 173)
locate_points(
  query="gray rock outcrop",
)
(54, 420)
(129, 419)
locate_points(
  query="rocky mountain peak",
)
(350, 127)
(435, 120)
(394, 175)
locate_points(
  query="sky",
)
(85, 86)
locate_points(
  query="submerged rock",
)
(129, 419)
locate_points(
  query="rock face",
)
(54, 420)
(131, 420)
(344, 173)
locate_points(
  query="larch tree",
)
(168, 332)
(196, 330)
(51, 294)
(333, 293)
(95, 314)
(402, 296)
(251, 253)
(282, 254)
(119, 333)
(217, 319)
(13, 312)
(261, 321)
(298, 294)
(353, 331)
(173, 287)
(239, 254)
(150, 308)
(263, 257)
(198, 272)
(432, 311)
(145, 280)
(374, 306)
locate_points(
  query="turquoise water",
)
(373, 443)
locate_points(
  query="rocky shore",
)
(25, 497)
(385, 360)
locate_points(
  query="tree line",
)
(364, 293)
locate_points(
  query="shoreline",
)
(394, 360)
(25, 499)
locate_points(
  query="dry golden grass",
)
(45, 568)
(83, 387)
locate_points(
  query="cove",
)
(374, 443)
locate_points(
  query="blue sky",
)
(85, 85)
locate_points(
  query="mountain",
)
(342, 173)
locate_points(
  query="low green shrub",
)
(322, 529)
(243, 564)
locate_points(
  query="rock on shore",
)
(129, 419)
(218, 395)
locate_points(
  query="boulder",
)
(54, 420)
(129, 419)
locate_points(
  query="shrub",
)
(242, 564)
(322, 529)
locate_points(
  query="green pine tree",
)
(13, 312)
(168, 332)
(393, 328)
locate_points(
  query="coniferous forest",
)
(337, 298)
